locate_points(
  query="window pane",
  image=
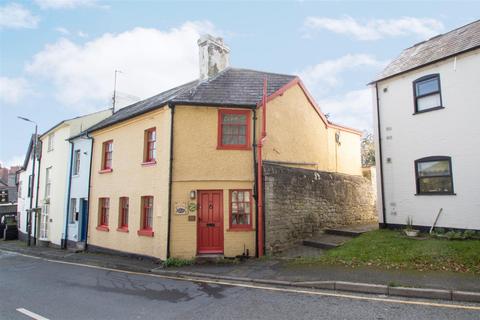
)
(434, 168)
(437, 184)
(428, 102)
(427, 86)
(234, 118)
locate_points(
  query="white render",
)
(214, 56)
(23, 202)
(79, 185)
(58, 160)
(452, 131)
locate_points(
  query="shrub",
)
(469, 234)
(176, 262)
(439, 230)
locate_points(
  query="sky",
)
(58, 57)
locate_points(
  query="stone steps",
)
(345, 233)
(326, 241)
(334, 237)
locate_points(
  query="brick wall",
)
(300, 202)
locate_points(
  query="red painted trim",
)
(247, 145)
(145, 232)
(199, 192)
(144, 212)
(121, 204)
(149, 163)
(122, 229)
(313, 103)
(103, 228)
(103, 203)
(344, 128)
(146, 156)
(105, 171)
(104, 153)
(241, 227)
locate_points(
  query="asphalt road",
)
(61, 291)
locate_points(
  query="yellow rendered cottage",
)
(177, 174)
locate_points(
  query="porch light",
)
(193, 194)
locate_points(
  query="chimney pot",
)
(214, 56)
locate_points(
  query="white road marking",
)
(279, 289)
(31, 314)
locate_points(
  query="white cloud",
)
(15, 16)
(353, 109)
(62, 30)
(13, 90)
(326, 75)
(82, 34)
(13, 161)
(375, 29)
(66, 4)
(152, 60)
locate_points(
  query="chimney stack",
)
(214, 56)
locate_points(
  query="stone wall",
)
(300, 202)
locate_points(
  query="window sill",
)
(103, 228)
(149, 163)
(234, 148)
(122, 229)
(240, 229)
(436, 194)
(105, 170)
(428, 110)
(145, 233)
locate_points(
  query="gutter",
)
(171, 105)
(380, 160)
(65, 239)
(89, 190)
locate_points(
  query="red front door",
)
(210, 221)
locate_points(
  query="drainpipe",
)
(37, 218)
(89, 190)
(170, 178)
(255, 175)
(65, 240)
(380, 160)
(260, 204)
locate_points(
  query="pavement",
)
(274, 269)
(48, 289)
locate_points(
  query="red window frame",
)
(220, 144)
(243, 226)
(150, 146)
(107, 150)
(123, 214)
(103, 213)
(146, 223)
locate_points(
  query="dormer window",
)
(427, 93)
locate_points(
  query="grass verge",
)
(390, 249)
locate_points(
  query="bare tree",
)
(368, 149)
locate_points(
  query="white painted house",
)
(427, 106)
(27, 193)
(54, 173)
(77, 211)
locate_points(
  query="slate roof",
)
(463, 39)
(232, 87)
